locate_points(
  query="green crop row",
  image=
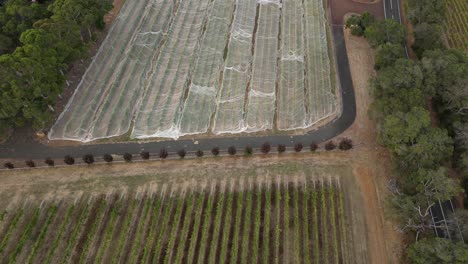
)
(277, 227)
(246, 231)
(139, 232)
(60, 233)
(196, 231)
(125, 228)
(162, 230)
(226, 227)
(175, 228)
(305, 223)
(256, 234)
(205, 228)
(195, 204)
(331, 193)
(71, 240)
(297, 231)
(216, 229)
(44, 229)
(324, 213)
(237, 224)
(108, 233)
(25, 235)
(266, 226)
(92, 232)
(154, 219)
(11, 228)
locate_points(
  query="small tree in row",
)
(330, 145)
(108, 158)
(49, 161)
(215, 151)
(88, 159)
(30, 163)
(248, 150)
(127, 157)
(69, 160)
(346, 144)
(199, 153)
(298, 147)
(145, 155)
(232, 150)
(313, 147)
(266, 147)
(9, 165)
(163, 153)
(281, 148)
(182, 153)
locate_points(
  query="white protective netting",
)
(201, 100)
(160, 106)
(117, 110)
(76, 120)
(291, 93)
(321, 99)
(261, 99)
(229, 116)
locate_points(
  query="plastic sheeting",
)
(262, 97)
(174, 67)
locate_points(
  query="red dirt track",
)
(341, 7)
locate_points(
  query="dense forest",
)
(423, 150)
(38, 42)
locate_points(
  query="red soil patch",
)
(341, 7)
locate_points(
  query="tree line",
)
(403, 92)
(38, 42)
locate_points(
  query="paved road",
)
(34, 150)
(392, 9)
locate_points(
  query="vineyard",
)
(457, 24)
(171, 68)
(241, 221)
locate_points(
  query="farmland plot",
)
(170, 68)
(240, 221)
(457, 24)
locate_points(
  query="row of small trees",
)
(344, 144)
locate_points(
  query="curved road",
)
(35, 150)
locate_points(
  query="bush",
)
(9, 165)
(266, 147)
(298, 147)
(199, 153)
(108, 158)
(281, 148)
(30, 163)
(127, 157)
(330, 145)
(88, 159)
(145, 155)
(182, 153)
(346, 144)
(248, 150)
(163, 153)
(49, 162)
(232, 150)
(313, 147)
(215, 151)
(69, 160)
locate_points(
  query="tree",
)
(215, 151)
(431, 184)
(298, 147)
(108, 158)
(89, 159)
(281, 148)
(248, 150)
(127, 157)
(69, 160)
(145, 155)
(266, 147)
(345, 144)
(182, 153)
(438, 250)
(8, 165)
(381, 32)
(163, 153)
(313, 146)
(199, 153)
(428, 11)
(330, 145)
(232, 150)
(30, 163)
(387, 54)
(427, 37)
(358, 24)
(49, 162)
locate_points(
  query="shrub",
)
(69, 160)
(298, 147)
(215, 151)
(163, 153)
(281, 148)
(232, 150)
(9, 165)
(49, 162)
(313, 147)
(199, 153)
(266, 147)
(248, 150)
(30, 163)
(182, 153)
(330, 145)
(108, 158)
(346, 144)
(88, 159)
(127, 157)
(145, 155)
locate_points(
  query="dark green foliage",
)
(182, 153)
(381, 32)
(387, 54)
(145, 155)
(49, 37)
(426, 11)
(313, 146)
(298, 147)
(215, 151)
(281, 148)
(108, 158)
(69, 160)
(9, 165)
(163, 153)
(427, 37)
(30, 163)
(438, 250)
(88, 159)
(232, 150)
(345, 144)
(127, 157)
(358, 24)
(248, 150)
(49, 162)
(266, 147)
(330, 145)
(199, 153)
